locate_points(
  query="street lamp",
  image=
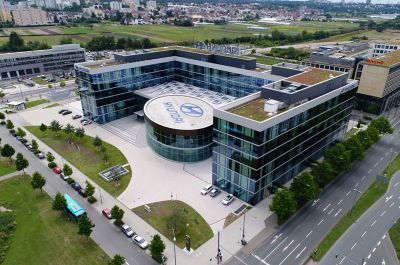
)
(173, 232)
(243, 241)
(355, 197)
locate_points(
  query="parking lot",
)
(153, 177)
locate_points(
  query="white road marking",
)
(390, 206)
(379, 243)
(386, 153)
(395, 185)
(338, 212)
(376, 164)
(369, 171)
(289, 254)
(340, 202)
(275, 238)
(309, 234)
(369, 256)
(298, 255)
(373, 223)
(363, 177)
(383, 262)
(364, 233)
(257, 257)
(373, 250)
(384, 236)
(320, 222)
(326, 207)
(383, 213)
(353, 246)
(355, 186)
(347, 194)
(315, 201)
(288, 245)
(275, 248)
(342, 260)
(388, 198)
(381, 158)
(330, 211)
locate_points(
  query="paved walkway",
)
(8, 176)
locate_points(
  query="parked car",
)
(66, 112)
(13, 133)
(61, 111)
(19, 138)
(40, 155)
(83, 120)
(215, 192)
(228, 199)
(81, 192)
(64, 177)
(86, 123)
(127, 230)
(206, 189)
(77, 116)
(30, 148)
(140, 242)
(107, 213)
(76, 186)
(57, 170)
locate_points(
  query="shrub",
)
(91, 199)
(52, 164)
(2, 123)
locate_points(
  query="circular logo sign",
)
(191, 110)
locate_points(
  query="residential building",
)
(29, 17)
(58, 58)
(5, 14)
(114, 5)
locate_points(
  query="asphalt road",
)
(361, 241)
(34, 93)
(384, 254)
(294, 241)
(108, 236)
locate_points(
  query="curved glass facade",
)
(178, 145)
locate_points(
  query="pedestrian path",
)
(8, 176)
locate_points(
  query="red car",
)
(106, 212)
(57, 170)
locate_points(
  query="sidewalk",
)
(13, 174)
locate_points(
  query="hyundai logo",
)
(191, 110)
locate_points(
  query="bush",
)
(52, 164)
(2, 123)
(70, 181)
(91, 199)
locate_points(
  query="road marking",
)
(369, 256)
(379, 243)
(342, 260)
(347, 194)
(363, 177)
(288, 245)
(330, 211)
(275, 238)
(369, 171)
(388, 198)
(309, 234)
(338, 212)
(353, 246)
(383, 262)
(373, 250)
(373, 223)
(315, 201)
(289, 254)
(320, 222)
(275, 248)
(383, 213)
(381, 158)
(364, 233)
(390, 206)
(384, 236)
(386, 153)
(376, 164)
(298, 255)
(395, 185)
(355, 186)
(339, 202)
(257, 257)
(326, 207)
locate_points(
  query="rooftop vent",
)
(271, 106)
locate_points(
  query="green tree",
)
(338, 157)
(80, 133)
(21, 163)
(69, 129)
(9, 124)
(21, 133)
(43, 128)
(89, 189)
(59, 203)
(157, 248)
(117, 214)
(355, 147)
(382, 124)
(35, 146)
(373, 134)
(283, 204)
(67, 170)
(38, 181)
(50, 157)
(85, 226)
(365, 140)
(2, 95)
(7, 151)
(2, 116)
(97, 142)
(304, 188)
(117, 260)
(55, 126)
(106, 159)
(15, 42)
(323, 173)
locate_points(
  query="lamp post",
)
(243, 241)
(355, 197)
(173, 232)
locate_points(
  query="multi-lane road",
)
(294, 241)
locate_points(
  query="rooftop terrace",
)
(313, 76)
(254, 110)
(100, 64)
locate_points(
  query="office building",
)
(5, 14)
(29, 17)
(58, 58)
(114, 5)
(379, 49)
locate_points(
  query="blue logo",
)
(191, 110)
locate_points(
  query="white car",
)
(127, 230)
(140, 242)
(206, 189)
(84, 123)
(228, 199)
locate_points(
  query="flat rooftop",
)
(387, 59)
(100, 64)
(254, 110)
(313, 76)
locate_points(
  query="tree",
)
(35, 146)
(157, 248)
(80, 133)
(69, 129)
(67, 170)
(15, 42)
(117, 214)
(89, 189)
(355, 147)
(117, 176)
(283, 204)
(2, 95)
(21, 163)
(338, 157)
(43, 128)
(21, 133)
(7, 151)
(373, 134)
(97, 142)
(323, 173)
(9, 124)
(2, 116)
(85, 226)
(106, 158)
(50, 157)
(117, 260)
(382, 124)
(59, 203)
(304, 188)
(62, 84)
(365, 140)
(55, 126)
(38, 181)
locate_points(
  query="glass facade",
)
(246, 162)
(110, 95)
(180, 146)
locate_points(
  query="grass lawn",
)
(7, 167)
(161, 218)
(88, 160)
(266, 60)
(43, 236)
(34, 103)
(39, 81)
(394, 233)
(350, 133)
(52, 105)
(366, 200)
